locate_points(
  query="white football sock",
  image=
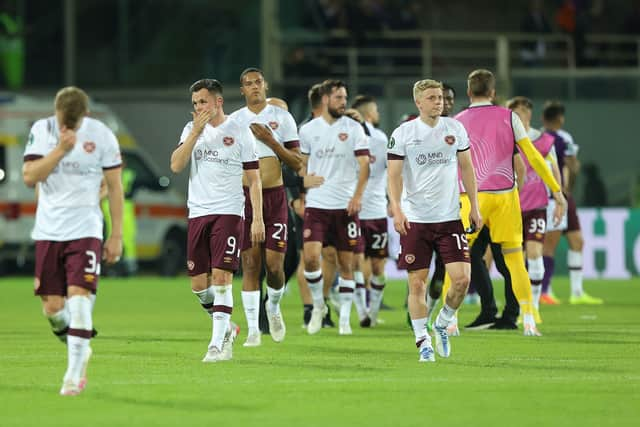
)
(251, 305)
(222, 309)
(574, 262)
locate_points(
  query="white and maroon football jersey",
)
(332, 151)
(430, 173)
(69, 199)
(281, 123)
(374, 199)
(218, 159)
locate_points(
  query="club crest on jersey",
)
(89, 146)
(450, 139)
(409, 258)
(228, 141)
(274, 125)
(343, 136)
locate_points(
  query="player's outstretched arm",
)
(255, 193)
(468, 176)
(113, 246)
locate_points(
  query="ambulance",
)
(160, 211)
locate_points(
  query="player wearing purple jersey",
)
(567, 152)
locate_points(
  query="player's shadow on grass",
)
(138, 339)
(534, 364)
(188, 405)
(329, 367)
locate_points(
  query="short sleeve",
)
(396, 147)
(305, 146)
(463, 138)
(111, 157)
(519, 131)
(249, 154)
(361, 142)
(571, 147)
(37, 146)
(289, 133)
(185, 133)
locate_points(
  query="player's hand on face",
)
(200, 119)
(354, 206)
(257, 231)
(401, 223)
(261, 132)
(312, 180)
(67, 138)
(112, 250)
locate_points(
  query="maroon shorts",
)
(332, 226)
(573, 222)
(375, 237)
(214, 241)
(63, 264)
(275, 213)
(534, 225)
(448, 238)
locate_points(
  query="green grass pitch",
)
(146, 369)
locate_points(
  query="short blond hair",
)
(73, 104)
(422, 85)
(519, 101)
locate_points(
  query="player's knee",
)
(576, 242)
(534, 250)
(460, 280)
(416, 285)
(275, 269)
(250, 263)
(221, 277)
(346, 269)
(199, 282)
(377, 266)
(52, 304)
(311, 263)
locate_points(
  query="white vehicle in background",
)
(160, 211)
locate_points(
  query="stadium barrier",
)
(611, 245)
